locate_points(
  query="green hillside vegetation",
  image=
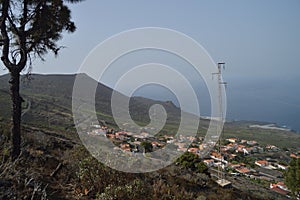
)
(50, 97)
(61, 168)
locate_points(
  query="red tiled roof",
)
(216, 154)
(243, 170)
(262, 162)
(111, 135)
(294, 156)
(281, 185)
(209, 160)
(279, 190)
(124, 146)
(193, 150)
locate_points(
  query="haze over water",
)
(266, 100)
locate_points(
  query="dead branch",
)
(56, 170)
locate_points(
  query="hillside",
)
(50, 99)
(51, 95)
(62, 169)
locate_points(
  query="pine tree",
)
(29, 29)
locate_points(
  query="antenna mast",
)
(221, 174)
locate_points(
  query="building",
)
(235, 166)
(240, 148)
(294, 156)
(252, 142)
(194, 150)
(243, 141)
(272, 148)
(209, 162)
(231, 146)
(262, 163)
(281, 166)
(279, 187)
(282, 186)
(218, 157)
(243, 170)
(125, 147)
(232, 140)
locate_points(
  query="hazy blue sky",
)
(259, 40)
(255, 38)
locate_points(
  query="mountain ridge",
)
(58, 88)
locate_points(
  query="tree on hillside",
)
(192, 161)
(29, 29)
(188, 160)
(147, 146)
(292, 176)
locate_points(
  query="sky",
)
(258, 40)
(254, 38)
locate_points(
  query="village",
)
(235, 157)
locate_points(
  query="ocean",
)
(269, 100)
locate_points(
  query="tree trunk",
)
(16, 114)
